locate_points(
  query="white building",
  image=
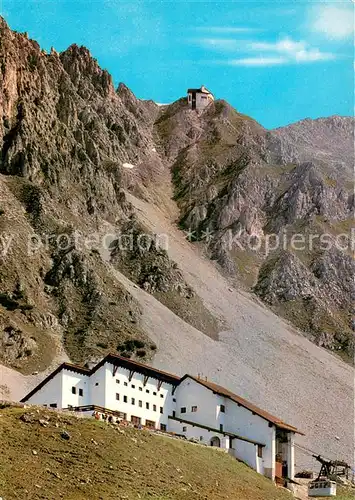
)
(189, 406)
(199, 98)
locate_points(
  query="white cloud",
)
(335, 22)
(223, 44)
(226, 29)
(313, 55)
(265, 53)
(284, 45)
(257, 61)
(293, 50)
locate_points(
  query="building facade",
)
(189, 406)
(199, 98)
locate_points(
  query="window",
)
(125, 400)
(201, 438)
(147, 391)
(117, 397)
(53, 405)
(117, 381)
(203, 97)
(161, 409)
(154, 393)
(81, 392)
(147, 406)
(150, 424)
(183, 409)
(98, 383)
(140, 388)
(163, 427)
(174, 413)
(194, 409)
(140, 404)
(125, 383)
(154, 407)
(223, 409)
(260, 451)
(73, 390)
(184, 429)
(221, 427)
(133, 386)
(174, 400)
(161, 395)
(133, 401)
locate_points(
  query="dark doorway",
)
(215, 441)
(193, 104)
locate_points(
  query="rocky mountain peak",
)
(84, 69)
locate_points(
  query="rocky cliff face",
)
(273, 208)
(70, 146)
(73, 148)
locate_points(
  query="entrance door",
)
(150, 424)
(135, 420)
(193, 104)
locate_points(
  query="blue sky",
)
(277, 61)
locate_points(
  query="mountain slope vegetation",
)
(103, 461)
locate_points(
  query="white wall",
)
(241, 421)
(50, 393)
(190, 393)
(291, 455)
(202, 100)
(135, 389)
(202, 435)
(246, 452)
(72, 379)
(98, 387)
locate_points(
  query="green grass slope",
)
(100, 461)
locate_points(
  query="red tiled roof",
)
(140, 367)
